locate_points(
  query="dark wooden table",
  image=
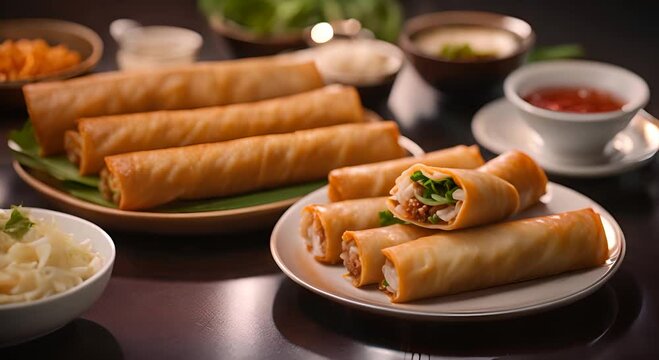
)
(223, 296)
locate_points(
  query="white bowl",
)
(20, 322)
(576, 138)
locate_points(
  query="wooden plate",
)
(221, 221)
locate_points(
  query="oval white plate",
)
(498, 127)
(288, 250)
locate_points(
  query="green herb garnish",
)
(435, 192)
(18, 224)
(564, 51)
(387, 218)
(464, 52)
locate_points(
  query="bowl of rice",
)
(53, 267)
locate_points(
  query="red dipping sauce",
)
(574, 99)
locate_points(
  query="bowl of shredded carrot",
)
(34, 50)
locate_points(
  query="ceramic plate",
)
(223, 221)
(288, 250)
(499, 128)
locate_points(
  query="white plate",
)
(288, 250)
(499, 128)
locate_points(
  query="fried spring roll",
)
(361, 251)
(522, 172)
(450, 199)
(146, 179)
(377, 179)
(323, 225)
(449, 263)
(99, 137)
(54, 106)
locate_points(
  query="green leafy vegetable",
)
(269, 17)
(387, 218)
(18, 224)
(436, 192)
(463, 52)
(565, 51)
(24, 145)
(26, 151)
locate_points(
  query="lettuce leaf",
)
(25, 150)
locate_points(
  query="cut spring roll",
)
(449, 199)
(377, 179)
(449, 263)
(323, 225)
(361, 251)
(54, 106)
(146, 179)
(522, 172)
(99, 137)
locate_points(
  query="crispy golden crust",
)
(370, 243)
(336, 218)
(118, 134)
(55, 106)
(522, 172)
(377, 179)
(150, 178)
(453, 262)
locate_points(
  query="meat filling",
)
(350, 257)
(423, 205)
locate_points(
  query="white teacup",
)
(576, 138)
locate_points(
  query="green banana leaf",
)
(25, 150)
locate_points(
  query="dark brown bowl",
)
(465, 77)
(247, 44)
(75, 36)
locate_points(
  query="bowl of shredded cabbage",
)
(53, 267)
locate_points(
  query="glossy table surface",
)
(190, 297)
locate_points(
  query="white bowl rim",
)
(383, 47)
(631, 107)
(192, 43)
(107, 263)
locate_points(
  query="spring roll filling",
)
(109, 186)
(317, 237)
(73, 146)
(390, 282)
(350, 257)
(429, 198)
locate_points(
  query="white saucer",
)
(498, 127)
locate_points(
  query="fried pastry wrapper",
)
(458, 261)
(377, 179)
(323, 225)
(55, 106)
(362, 250)
(522, 172)
(102, 136)
(145, 179)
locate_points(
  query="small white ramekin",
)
(576, 138)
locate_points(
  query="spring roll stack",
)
(413, 255)
(55, 106)
(96, 138)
